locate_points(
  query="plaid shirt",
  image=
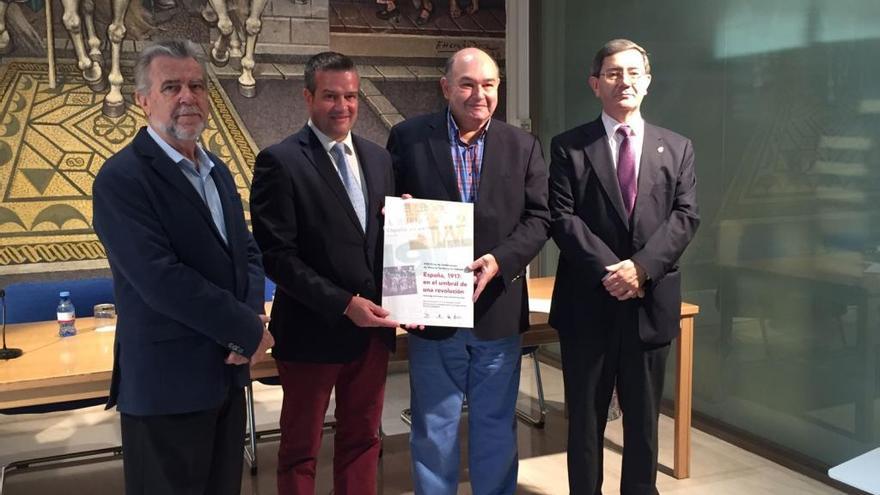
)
(467, 159)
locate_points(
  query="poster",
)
(428, 246)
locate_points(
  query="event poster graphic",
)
(428, 245)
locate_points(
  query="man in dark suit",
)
(316, 205)
(623, 207)
(462, 154)
(189, 289)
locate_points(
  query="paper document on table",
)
(428, 245)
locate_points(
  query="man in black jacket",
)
(463, 154)
(623, 203)
(189, 289)
(316, 207)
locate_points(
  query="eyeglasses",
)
(615, 75)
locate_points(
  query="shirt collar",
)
(328, 143)
(637, 124)
(205, 163)
(455, 134)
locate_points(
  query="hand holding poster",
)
(428, 245)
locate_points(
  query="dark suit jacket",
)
(184, 297)
(314, 247)
(590, 225)
(510, 215)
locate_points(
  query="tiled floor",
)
(717, 467)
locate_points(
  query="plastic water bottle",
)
(66, 316)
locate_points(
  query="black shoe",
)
(387, 15)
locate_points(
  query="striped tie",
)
(355, 194)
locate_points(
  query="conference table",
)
(54, 369)
(838, 280)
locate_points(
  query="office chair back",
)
(37, 301)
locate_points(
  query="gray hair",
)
(179, 49)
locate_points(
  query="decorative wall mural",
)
(53, 142)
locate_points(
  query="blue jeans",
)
(442, 374)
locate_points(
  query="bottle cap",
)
(64, 294)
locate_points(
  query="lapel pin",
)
(660, 149)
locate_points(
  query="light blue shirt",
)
(200, 178)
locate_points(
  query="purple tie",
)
(626, 169)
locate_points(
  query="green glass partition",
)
(782, 101)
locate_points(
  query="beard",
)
(184, 134)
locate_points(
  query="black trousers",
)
(198, 453)
(591, 363)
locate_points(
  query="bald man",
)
(462, 154)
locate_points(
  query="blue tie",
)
(355, 194)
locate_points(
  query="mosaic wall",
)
(53, 142)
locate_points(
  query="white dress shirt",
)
(350, 155)
(637, 124)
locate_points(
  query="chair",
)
(269, 293)
(539, 422)
(250, 449)
(769, 297)
(37, 301)
(539, 384)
